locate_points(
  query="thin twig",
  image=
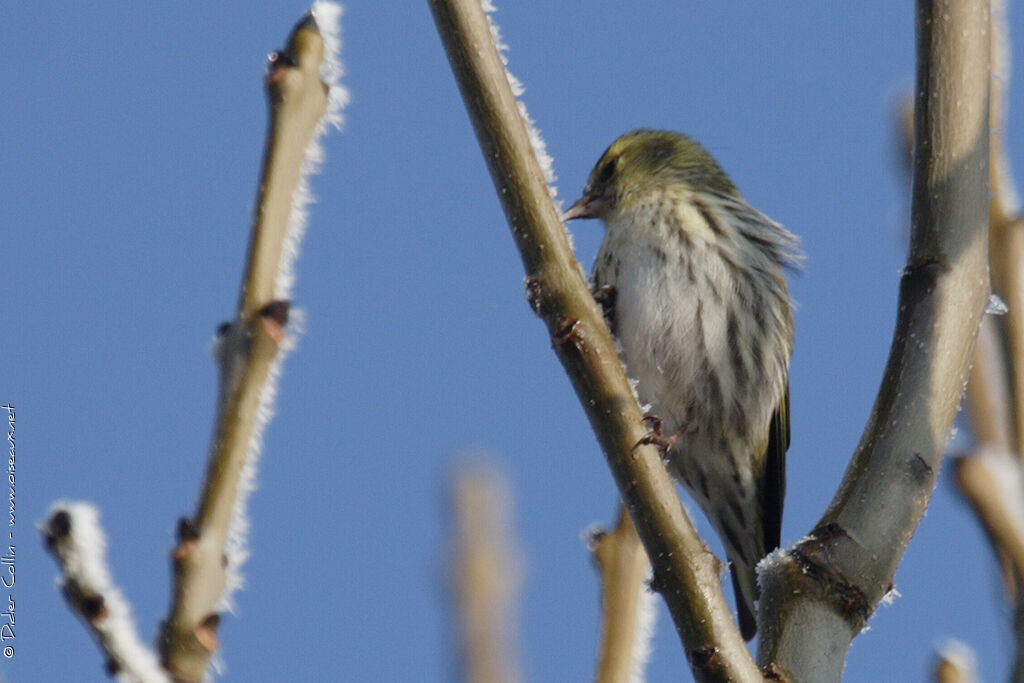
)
(818, 595)
(685, 571)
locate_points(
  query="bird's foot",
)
(655, 437)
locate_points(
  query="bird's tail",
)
(744, 583)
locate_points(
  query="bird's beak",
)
(584, 207)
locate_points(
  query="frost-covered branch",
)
(487, 576)
(73, 536)
(627, 606)
(818, 594)
(304, 101)
(685, 571)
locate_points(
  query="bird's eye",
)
(607, 171)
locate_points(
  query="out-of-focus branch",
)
(818, 594)
(487, 576)
(626, 612)
(248, 354)
(1007, 230)
(74, 538)
(992, 482)
(1008, 281)
(954, 663)
(988, 392)
(685, 571)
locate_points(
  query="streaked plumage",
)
(703, 316)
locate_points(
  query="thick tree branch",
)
(818, 595)
(988, 396)
(686, 573)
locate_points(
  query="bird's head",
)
(644, 162)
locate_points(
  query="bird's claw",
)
(654, 422)
(655, 436)
(664, 443)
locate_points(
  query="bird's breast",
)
(687, 336)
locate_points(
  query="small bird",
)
(691, 279)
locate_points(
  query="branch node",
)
(534, 293)
(812, 557)
(57, 528)
(929, 263)
(94, 608)
(111, 667)
(274, 317)
(187, 530)
(566, 330)
(703, 657)
(276, 311)
(920, 469)
(206, 632)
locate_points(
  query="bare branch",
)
(818, 595)
(626, 612)
(685, 571)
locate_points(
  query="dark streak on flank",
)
(709, 218)
(739, 367)
(703, 484)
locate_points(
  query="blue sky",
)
(132, 139)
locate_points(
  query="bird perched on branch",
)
(691, 279)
